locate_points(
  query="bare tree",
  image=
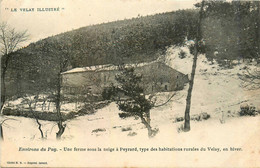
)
(32, 103)
(1, 126)
(63, 53)
(61, 57)
(251, 78)
(58, 100)
(191, 82)
(10, 40)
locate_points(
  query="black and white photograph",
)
(130, 83)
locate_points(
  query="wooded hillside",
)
(134, 40)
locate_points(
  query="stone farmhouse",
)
(157, 77)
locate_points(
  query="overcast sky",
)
(74, 14)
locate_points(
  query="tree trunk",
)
(258, 29)
(49, 103)
(1, 132)
(191, 82)
(3, 89)
(148, 117)
(61, 130)
(147, 125)
(39, 127)
(43, 105)
(35, 117)
(58, 100)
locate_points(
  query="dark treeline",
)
(129, 41)
(232, 30)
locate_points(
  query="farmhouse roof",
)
(108, 67)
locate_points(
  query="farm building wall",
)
(157, 77)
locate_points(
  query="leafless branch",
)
(166, 101)
(30, 101)
(10, 39)
(7, 120)
(251, 80)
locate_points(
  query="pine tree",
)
(134, 100)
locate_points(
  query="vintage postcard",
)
(130, 83)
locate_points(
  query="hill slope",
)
(129, 41)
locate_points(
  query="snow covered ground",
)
(42, 104)
(217, 91)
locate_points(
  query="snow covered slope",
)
(217, 91)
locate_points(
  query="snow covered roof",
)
(91, 68)
(106, 67)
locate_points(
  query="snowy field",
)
(216, 91)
